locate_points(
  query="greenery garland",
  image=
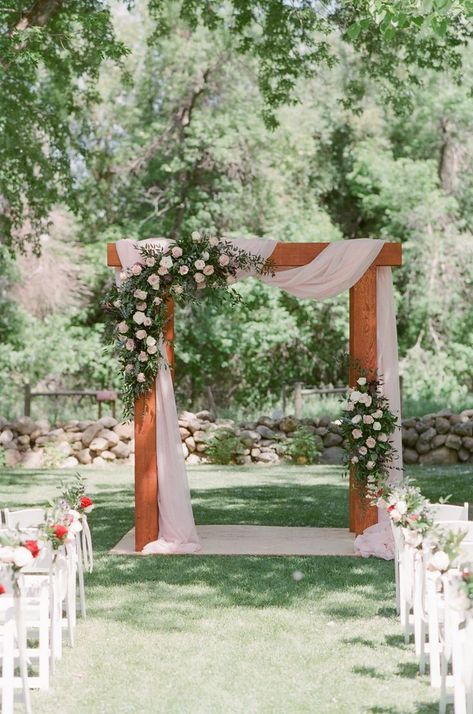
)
(195, 265)
(367, 423)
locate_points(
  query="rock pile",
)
(442, 438)
(34, 444)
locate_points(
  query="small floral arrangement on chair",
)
(197, 263)
(367, 423)
(17, 551)
(73, 496)
(462, 584)
(409, 510)
(445, 548)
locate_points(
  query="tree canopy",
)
(271, 118)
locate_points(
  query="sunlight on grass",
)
(236, 634)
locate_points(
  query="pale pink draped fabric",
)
(177, 532)
(336, 269)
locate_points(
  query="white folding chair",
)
(24, 518)
(448, 512)
(397, 536)
(406, 559)
(13, 652)
(458, 527)
(457, 688)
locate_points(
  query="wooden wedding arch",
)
(363, 353)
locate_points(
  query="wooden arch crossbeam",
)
(363, 353)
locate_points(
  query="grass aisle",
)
(236, 634)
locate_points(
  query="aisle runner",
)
(261, 540)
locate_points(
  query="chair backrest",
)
(447, 512)
(457, 526)
(24, 518)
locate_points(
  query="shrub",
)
(302, 448)
(223, 447)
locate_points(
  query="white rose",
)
(140, 334)
(214, 241)
(223, 260)
(355, 396)
(199, 278)
(195, 235)
(350, 406)
(152, 349)
(176, 252)
(378, 414)
(354, 459)
(205, 255)
(136, 269)
(231, 279)
(356, 419)
(162, 270)
(22, 556)
(7, 553)
(440, 560)
(139, 317)
(166, 261)
(370, 442)
(370, 465)
(357, 433)
(361, 381)
(367, 419)
(140, 294)
(157, 301)
(117, 303)
(199, 264)
(129, 368)
(154, 281)
(382, 437)
(337, 422)
(377, 426)
(178, 290)
(141, 377)
(208, 270)
(183, 270)
(363, 450)
(147, 322)
(150, 262)
(143, 357)
(401, 507)
(368, 400)
(122, 327)
(141, 306)
(75, 527)
(150, 340)
(130, 344)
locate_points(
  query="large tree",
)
(51, 52)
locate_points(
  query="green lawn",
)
(236, 634)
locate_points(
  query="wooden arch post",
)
(363, 357)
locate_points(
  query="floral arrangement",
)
(73, 496)
(17, 551)
(195, 265)
(367, 424)
(409, 510)
(464, 589)
(445, 548)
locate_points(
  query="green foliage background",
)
(166, 117)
